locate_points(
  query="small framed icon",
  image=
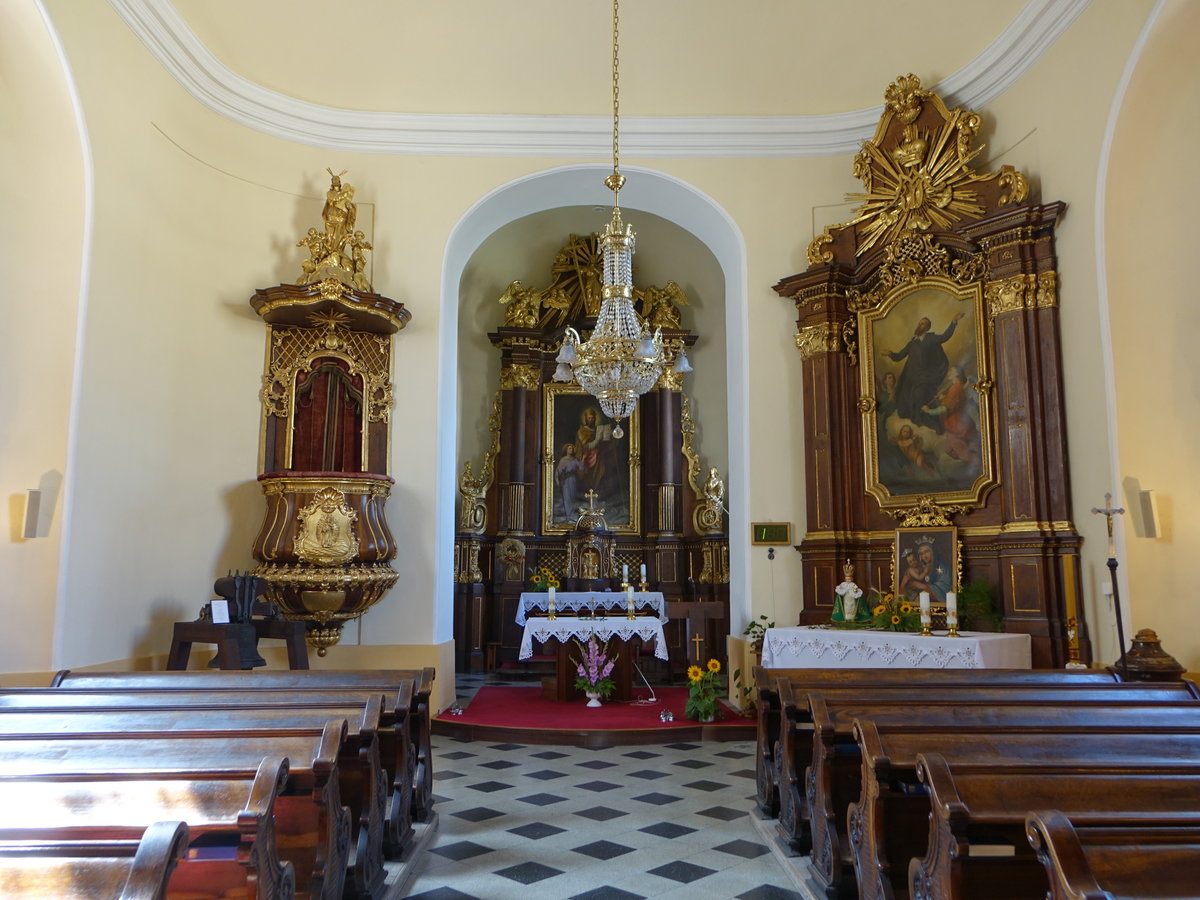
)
(771, 533)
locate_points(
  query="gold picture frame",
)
(926, 383)
(925, 559)
(597, 460)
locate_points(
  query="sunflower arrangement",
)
(703, 688)
(543, 579)
(892, 613)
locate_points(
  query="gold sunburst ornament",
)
(622, 359)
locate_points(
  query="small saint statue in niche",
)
(848, 605)
(338, 252)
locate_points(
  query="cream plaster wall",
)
(41, 250)
(1152, 187)
(193, 212)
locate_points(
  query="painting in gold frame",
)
(926, 380)
(581, 453)
(925, 559)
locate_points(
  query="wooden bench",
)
(232, 845)
(1142, 856)
(416, 722)
(360, 776)
(770, 709)
(93, 870)
(888, 824)
(797, 738)
(312, 827)
(397, 755)
(978, 846)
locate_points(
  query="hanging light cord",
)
(615, 181)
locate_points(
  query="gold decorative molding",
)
(916, 172)
(1028, 291)
(687, 425)
(326, 536)
(927, 513)
(813, 340)
(708, 515)
(472, 493)
(520, 375)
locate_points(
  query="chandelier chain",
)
(616, 83)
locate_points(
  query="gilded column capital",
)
(522, 375)
(1027, 291)
(813, 340)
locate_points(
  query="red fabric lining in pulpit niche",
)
(524, 707)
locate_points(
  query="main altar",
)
(561, 492)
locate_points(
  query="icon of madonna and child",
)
(927, 416)
(588, 457)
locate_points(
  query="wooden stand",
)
(225, 636)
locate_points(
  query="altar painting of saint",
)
(582, 455)
(928, 429)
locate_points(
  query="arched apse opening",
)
(647, 191)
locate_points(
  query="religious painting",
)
(926, 385)
(584, 453)
(925, 559)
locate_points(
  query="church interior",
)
(368, 417)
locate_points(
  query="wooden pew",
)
(417, 721)
(312, 826)
(770, 709)
(978, 846)
(888, 824)
(397, 755)
(102, 870)
(232, 845)
(797, 739)
(1142, 856)
(360, 777)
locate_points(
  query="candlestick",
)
(550, 606)
(629, 613)
(951, 614)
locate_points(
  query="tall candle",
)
(624, 572)
(951, 604)
(925, 615)
(643, 571)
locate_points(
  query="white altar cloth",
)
(576, 601)
(566, 627)
(807, 647)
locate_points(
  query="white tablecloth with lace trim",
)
(580, 601)
(831, 648)
(564, 628)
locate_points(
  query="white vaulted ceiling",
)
(771, 78)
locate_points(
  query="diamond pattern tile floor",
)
(656, 823)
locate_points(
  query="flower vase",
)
(593, 698)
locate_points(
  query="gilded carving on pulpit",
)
(326, 536)
(339, 252)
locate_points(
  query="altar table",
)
(809, 647)
(619, 629)
(579, 601)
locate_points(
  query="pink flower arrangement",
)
(594, 668)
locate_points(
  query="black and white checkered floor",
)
(673, 821)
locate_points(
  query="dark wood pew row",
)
(93, 870)
(1144, 856)
(830, 763)
(416, 722)
(797, 738)
(232, 849)
(311, 824)
(769, 708)
(360, 777)
(978, 843)
(889, 823)
(396, 752)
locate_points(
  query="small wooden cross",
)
(698, 641)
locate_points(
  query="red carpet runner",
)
(524, 707)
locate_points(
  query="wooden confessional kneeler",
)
(932, 379)
(325, 548)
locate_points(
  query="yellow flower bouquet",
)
(892, 613)
(703, 687)
(543, 579)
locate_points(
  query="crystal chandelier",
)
(622, 359)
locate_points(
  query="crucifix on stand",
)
(1108, 512)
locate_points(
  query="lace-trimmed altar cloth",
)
(806, 647)
(566, 627)
(577, 601)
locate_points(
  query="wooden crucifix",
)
(1108, 512)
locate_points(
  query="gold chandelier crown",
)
(622, 359)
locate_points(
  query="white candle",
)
(951, 604)
(643, 571)
(551, 596)
(629, 600)
(925, 616)
(624, 572)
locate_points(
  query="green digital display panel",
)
(771, 533)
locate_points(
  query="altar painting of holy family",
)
(582, 454)
(925, 366)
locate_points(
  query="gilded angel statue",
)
(660, 306)
(338, 252)
(525, 304)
